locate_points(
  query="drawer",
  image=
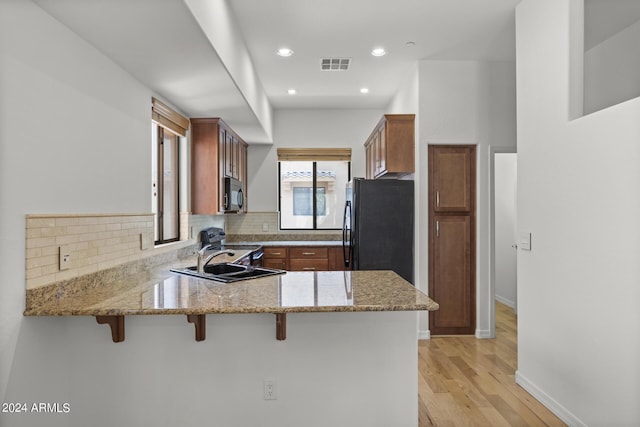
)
(308, 252)
(275, 252)
(308, 264)
(278, 263)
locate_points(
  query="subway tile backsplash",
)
(92, 242)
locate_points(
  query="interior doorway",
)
(503, 233)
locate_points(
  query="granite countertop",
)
(156, 291)
(267, 243)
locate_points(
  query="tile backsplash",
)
(95, 242)
(261, 226)
(92, 242)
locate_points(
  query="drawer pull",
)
(309, 268)
(276, 253)
(308, 253)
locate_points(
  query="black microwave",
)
(233, 195)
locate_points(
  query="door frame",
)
(493, 150)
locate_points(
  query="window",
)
(303, 202)
(312, 187)
(166, 130)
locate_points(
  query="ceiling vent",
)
(335, 64)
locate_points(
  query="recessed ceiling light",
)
(364, 90)
(379, 51)
(291, 91)
(284, 51)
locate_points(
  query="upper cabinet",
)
(216, 152)
(390, 147)
(451, 180)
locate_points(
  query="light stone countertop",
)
(157, 291)
(267, 243)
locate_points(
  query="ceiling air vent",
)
(335, 64)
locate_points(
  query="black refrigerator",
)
(377, 229)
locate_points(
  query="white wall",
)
(505, 186)
(306, 128)
(578, 322)
(74, 137)
(611, 70)
(407, 101)
(467, 102)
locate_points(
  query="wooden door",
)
(452, 239)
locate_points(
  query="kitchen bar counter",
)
(158, 291)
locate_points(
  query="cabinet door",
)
(235, 148)
(242, 172)
(382, 149)
(452, 177)
(228, 156)
(205, 189)
(336, 258)
(369, 161)
(452, 275)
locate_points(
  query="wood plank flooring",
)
(465, 381)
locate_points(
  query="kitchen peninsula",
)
(158, 291)
(350, 345)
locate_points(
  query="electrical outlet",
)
(265, 226)
(64, 262)
(270, 389)
(146, 241)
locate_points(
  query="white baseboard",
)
(560, 411)
(483, 334)
(424, 335)
(506, 302)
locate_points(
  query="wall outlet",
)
(146, 241)
(64, 262)
(270, 389)
(265, 226)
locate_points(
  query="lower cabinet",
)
(304, 258)
(275, 257)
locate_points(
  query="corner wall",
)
(465, 102)
(578, 322)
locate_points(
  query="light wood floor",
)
(464, 381)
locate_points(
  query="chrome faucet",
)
(203, 261)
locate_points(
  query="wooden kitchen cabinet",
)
(336, 258)
(308, 258)
(275, 257)
(452, 238)
(216, 152)
(390, 149)
(453, 167)
(304, 258)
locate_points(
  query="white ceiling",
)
(452, 29)
(161, 43)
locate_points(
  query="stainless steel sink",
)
(228, 272)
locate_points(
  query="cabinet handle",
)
(308, 253)
(308, 268)
(437, 228)
(437, 199)
(276, 253)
